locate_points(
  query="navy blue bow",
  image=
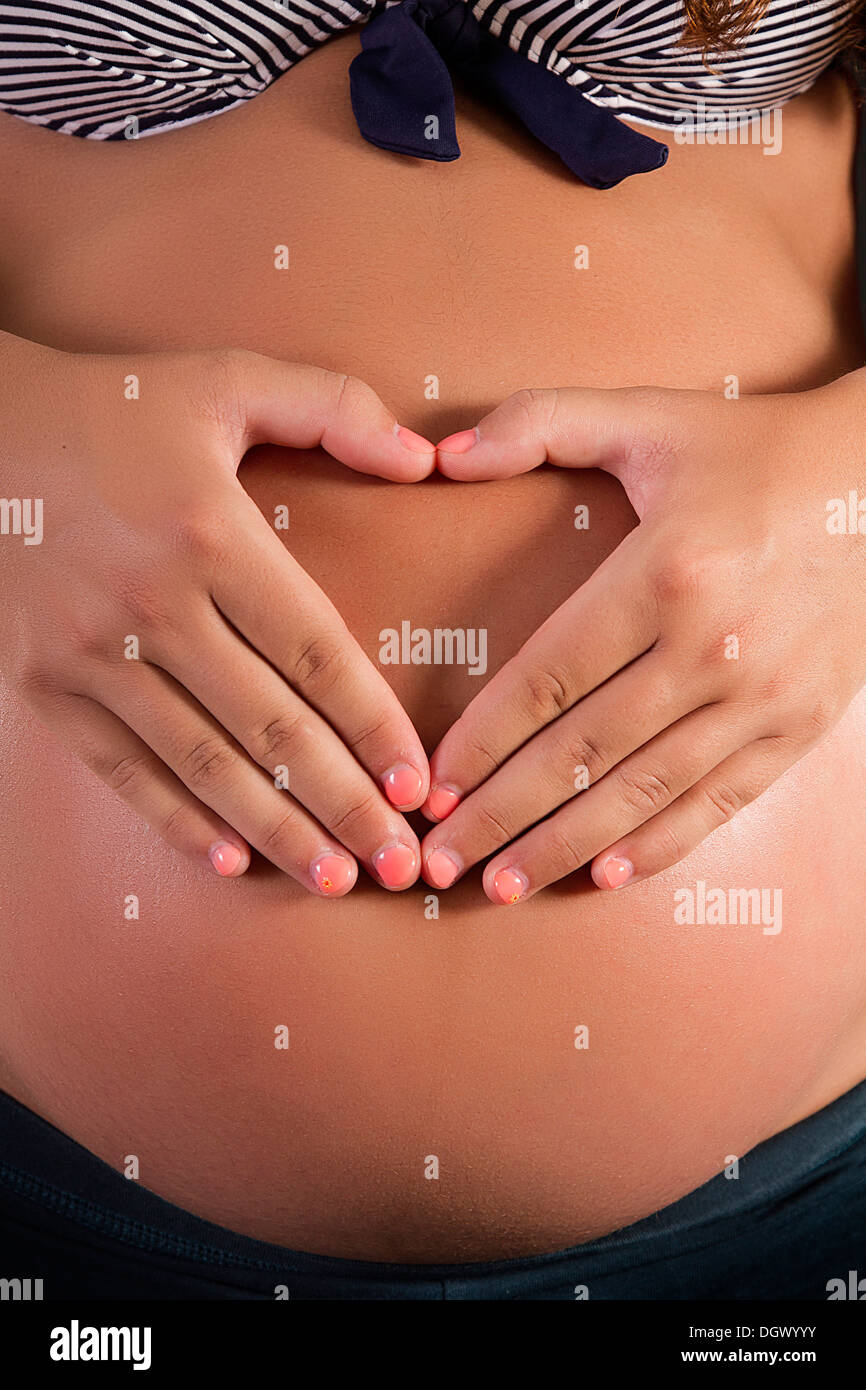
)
(403, 99)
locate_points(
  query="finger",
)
(302, 407)
(320, 659)
(217, 771)
(617, 430)
(120, 759)
(628, 795)
(572, 753)
(590, 637)
(712, 801)
(287, 738)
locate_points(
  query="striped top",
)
(136, 67)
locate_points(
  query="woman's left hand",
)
(716, 645)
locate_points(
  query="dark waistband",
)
(50, 1170)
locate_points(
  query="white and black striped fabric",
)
(112, 69)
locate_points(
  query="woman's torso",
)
(412, 1035)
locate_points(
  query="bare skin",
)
(410, 1036)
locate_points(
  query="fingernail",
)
(441, 801)
(441, 868)
(402, 785)
(509, 885)
(332, 874)
(396, 865)
(459, 443)
(225, 858)
(416, 442)
(617, 871)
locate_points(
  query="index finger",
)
(624, 430)
(606, 624)
(284, 615)
(301, 407)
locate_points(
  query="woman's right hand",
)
(162, 630)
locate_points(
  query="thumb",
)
(623, 431)
(302, 406)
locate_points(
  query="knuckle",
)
(659, 433)
(84, 630)
(680, 576)
(537, 406)
(320, 664)
(566, 851)
(144, 603)
(227, 367)
(358, 813)
(127, 773)
(179, 825)
(493, 823)
(694, 569)
(204, 533)
(548, 695)
(225, 373)
(230, 362)
(724, 800)
(667, 847)
(370, 735)
(823, 712)
(208, 762)
(654, 401)
(350, 392)
(643, 790)
(278, 739)
(523, 400)
(276, 843)
(36, 683)
(479, 755)
(584, 752)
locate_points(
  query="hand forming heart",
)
(717, 644)
(165, 633)
(154, 620)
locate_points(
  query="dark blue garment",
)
(403, 99)
(793, 1220)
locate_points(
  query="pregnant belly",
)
(421, 1076)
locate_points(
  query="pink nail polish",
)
(402, 785)
(416, 442)
(617, 871)
(441, 868)
(510, 885)
(225, 858)
(441, 801)
(332, 874)
(459, 443)
(396, 865)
